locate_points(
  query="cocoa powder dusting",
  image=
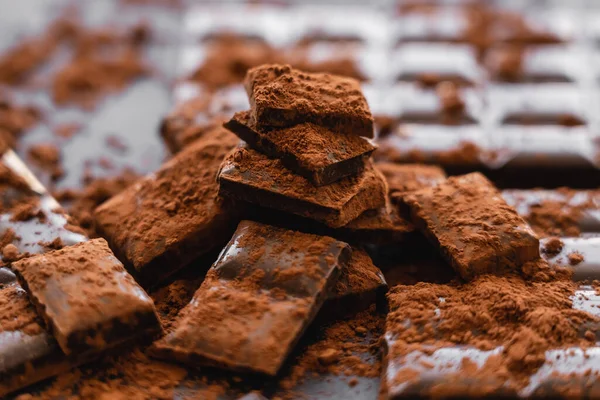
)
(48, 158)
(527, 317)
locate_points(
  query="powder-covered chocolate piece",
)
(383, 225)
(406, 178)
(476, 231)
(86, 297)
(253, 177)
(171, 217)
(281, 96)
(257, 299)
(361, 284)
(317, 153)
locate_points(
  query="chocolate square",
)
(476, 231)
(317, 153)
(253, 177)
(281, 96)
(86, 297)
(257, 299)
(171, 217)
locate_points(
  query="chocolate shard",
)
(171, 217)
(253, 177)
(28, 353)
(257, 299)
(361, 284)
(317, 153)
(281, 96)
(476, 231)
(87, 299)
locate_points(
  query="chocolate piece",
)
(406, 178)
(318, 154)
(257, 299)
(251, 176)
(281, 96)
(361, 284)
(476, 230)
(171, 217)
(379, 226)
(86, 297)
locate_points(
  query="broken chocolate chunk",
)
(253, 177)
(86, 297)
(166, 220)
(317, 153)
(475, 229)
(281, 96)
(257, 299)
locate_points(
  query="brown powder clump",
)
(14, 121)
(575, 258)
(451, 103)
(553, 246)
(228, 59)
(48, 158)
(104, 61)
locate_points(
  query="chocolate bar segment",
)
(253, 177)
(257, 299)
(406, 178)
(86, 297)
(173, 216)
(317, 153)
(281, 96)
(476, 231)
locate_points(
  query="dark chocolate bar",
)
(86, 297)
(475, 229)
(253, 177)
(173, 216)
(281, 96)
(405, 178)
(257, 299)
(315, 152)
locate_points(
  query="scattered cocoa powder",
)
(48, 158)
(15, 120)
(451, 103)
(80, 204)
(67, 130)
(347, 348)
(527, 317)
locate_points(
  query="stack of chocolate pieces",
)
(306, 149)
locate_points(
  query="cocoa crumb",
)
(328, 356)
(553, 246)
(47, 157)
(575, 258)
(10, 253)
(68, 130)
